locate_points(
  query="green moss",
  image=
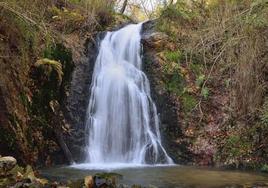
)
(188, 102)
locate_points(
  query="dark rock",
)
(106, 180)
(167, 108)
(77, 101)
(151, 38)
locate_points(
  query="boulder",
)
(153, 39)
(7, 163)
(89, 182)
(106, 180)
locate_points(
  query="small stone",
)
(7, 163)
(89, 182)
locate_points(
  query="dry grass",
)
(232, 44)
(228, 39)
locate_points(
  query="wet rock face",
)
(167, 106)
(77, 101)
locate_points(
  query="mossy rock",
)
(108, 180)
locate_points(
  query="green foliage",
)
(175, 16)
(258, 15)
(188, 102)
(237, 146)
(63, 55)
(200, 80)
(174, 56)
(264, 168)
(205, 92)
(175, 84)
(264, 113)
(232, 142)
(166, 27)
(196, 68)
(180, 11)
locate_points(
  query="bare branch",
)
(124, 7)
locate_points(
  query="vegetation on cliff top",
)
(216, 66)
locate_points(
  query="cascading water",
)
(122, 119)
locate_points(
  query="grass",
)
(231, 39)
(173, 56)
(224, 53)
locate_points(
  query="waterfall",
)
(122, 121)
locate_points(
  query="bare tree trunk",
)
(124, 7)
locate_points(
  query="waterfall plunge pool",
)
(123, 126)
(162, 176)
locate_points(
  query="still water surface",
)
(166, 176)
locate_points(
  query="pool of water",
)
(162, 176)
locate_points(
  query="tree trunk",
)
(124, 7)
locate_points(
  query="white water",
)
(122, 119)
